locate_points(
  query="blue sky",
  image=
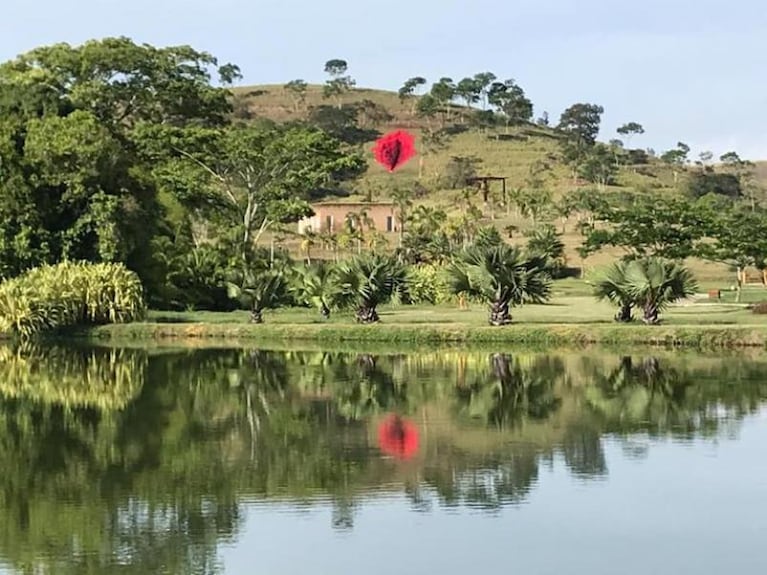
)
(689, 70)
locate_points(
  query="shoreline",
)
(693, 336)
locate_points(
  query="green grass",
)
(568, 319)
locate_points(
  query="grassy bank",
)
(529, 334)
(567, 321)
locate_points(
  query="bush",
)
(759, 308)
(69, 294)
(427, 284)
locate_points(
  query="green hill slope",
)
(511, 153)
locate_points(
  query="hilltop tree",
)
(580, 125)
(677, 158)
(408, 89)
(629, 130)
(510, 100)
(468, 90)
(483, 81)
(339, 83)
(296, 89)
(443, 93)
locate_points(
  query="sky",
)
(687, 70)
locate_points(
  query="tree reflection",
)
(133, 461)
(510, 393)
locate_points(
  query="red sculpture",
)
(394, 149)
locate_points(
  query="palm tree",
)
(259, 290)
(651, 283)
(502, 276)
(316, 285)
(611, 285)
(369, 280)
(655, 283)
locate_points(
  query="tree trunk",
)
(740, 278)
(624, 314)
(499, 313)
(650, 316)
(256, 316)
(367, 314)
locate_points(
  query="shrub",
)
(759, 308)
(427, 284)
(69, 294)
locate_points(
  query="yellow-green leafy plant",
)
(69, 294)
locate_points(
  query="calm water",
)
(244, 461)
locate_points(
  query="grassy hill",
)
(499, 152)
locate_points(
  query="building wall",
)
(331, 217)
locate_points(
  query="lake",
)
(240, 461)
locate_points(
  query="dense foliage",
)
(69, 294)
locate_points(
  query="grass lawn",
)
(571, 318)
(562, 310)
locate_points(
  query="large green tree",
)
(73, 181)
(250, 178)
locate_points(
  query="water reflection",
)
(137, 461)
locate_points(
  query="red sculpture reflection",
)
(398, 437)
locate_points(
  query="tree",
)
(468, 90)
(630, 129)
(501, 276)
(369, 280)
(407, 91)
(258, 177)
(342, 123)
(510, 100)
(458, 171)
(403, 201)
(744, 172)
(737, 237)
(654, 283)
(611, 285)
(678, 157)
(544, 241)
(296, 89)
(86, 190)
(706, 181)
(648, 225)
(259, 290)
(339, 83)
(483, 80)
(316, 285)
(599, 166)
(580, 126)
(647, 283)
(443, 93)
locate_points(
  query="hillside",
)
(501, 153)
(510, 153)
